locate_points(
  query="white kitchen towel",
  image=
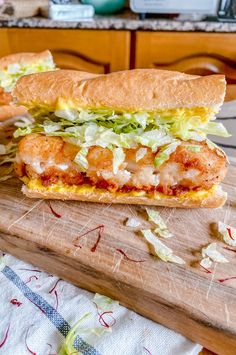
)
(37, 310)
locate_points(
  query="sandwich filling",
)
(164, 151)
(10, 75)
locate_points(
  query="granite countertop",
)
(125, 21)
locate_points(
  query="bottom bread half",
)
(213, 198)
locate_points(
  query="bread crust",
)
(215, 200)
(46, 88)
(131, 90)
(11, 111)
(24, 58)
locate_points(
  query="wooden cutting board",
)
(183, 298)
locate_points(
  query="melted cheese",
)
(204, 113)
(87, 189)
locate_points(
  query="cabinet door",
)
(4, 42)
(192, 53)
(195, 53)
(95, 51)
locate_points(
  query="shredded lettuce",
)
(132, 222)
(180, 123)
(2, 263)
(227, 233)
(161, 250)
(69, 115)
(154, 138)
(89, 334)
(164, 153)
(7, 153)
(193, 148)
(23, 131)
(161, 227)
(81, 159)
(68, 346)
(141, 118)
(2, 149)
(140, 154)
(211, 252)
(24, 121)
(105, 303)
(50, 127)
(6, 171)
(13, 72)
(7, 158)
(110, 129)
(206, 262)
(118, 159)
(216, 129)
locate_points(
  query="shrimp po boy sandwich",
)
(137, 136)
(14, 66)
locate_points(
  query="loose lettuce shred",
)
(81, 160)
(7, 158)
(161, 228)
(118, 159)
(164, 153)
(160, 249)
(211, 252)
(140, 154)
(2, 149)
(132, 222)
(88, 334)
(7, 153)
(193, 148)
(206, 263)
(9, 76)
(2, 262)
(105, 303)
(227, 233)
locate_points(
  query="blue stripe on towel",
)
(50, 312)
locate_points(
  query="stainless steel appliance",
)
(205, 7)
(224, 10)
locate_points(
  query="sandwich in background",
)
(137, 136)
(13, 67)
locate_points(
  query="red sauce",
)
(53, 176)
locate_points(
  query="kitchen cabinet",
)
(192, 53)
(104, 51)
(98, 51)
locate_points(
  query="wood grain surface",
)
(183, 298)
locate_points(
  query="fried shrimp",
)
(51, 159)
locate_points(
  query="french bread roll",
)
(133, 90)
(11, 111)
(214, 199)
(24, 58)
(44, 89)
(149, 90)
(7, 108)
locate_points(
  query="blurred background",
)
(108, 35)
